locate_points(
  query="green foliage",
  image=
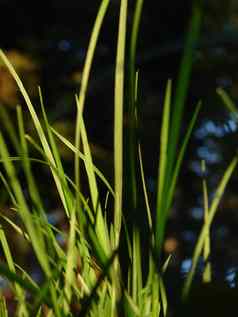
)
(86, 276)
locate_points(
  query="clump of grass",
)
(87, 277)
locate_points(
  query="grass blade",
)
(160, 211)
(207, 274)
(118, 120)
(183, 81)
(84, 84)
(231, 106)
(212, 211)
(37, 124)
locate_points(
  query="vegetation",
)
(87, 273)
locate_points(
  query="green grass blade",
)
(136, 266)
(17, 228)
(3, 306)
(183, 81)
(37, 124)
(163, 296)
(8, 188)
(148, 209)
(231, 106)
(41, 293)
(182, 152)
(100, 227)
(19, 291)
(164, 146)
(118, 120)
(161, 194)
(33, 190)
(8, 125)
(207, 274)
(34, 233)
(212, 211)
(84, 84)
(57, 158)
(82, 156)
(71, 264)
(131, 144)
(170, 191)
(132, 310)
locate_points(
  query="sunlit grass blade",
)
(84, 84)
(82, 156)
(3, 306)
(33, 189)
(161, 194)
(20, 294)
(58, 162)
(163, 297)
(8, 188)
(169, 192)
(34, 233)
(8, 125)
(211, 213)
(23, 283)
(148, 209)
(23, 152)
(207, 274)
(17, 228)
(164, 145)
(231, 106)
(136, 266)
(36, 236)
(131, 308)
(155, 291)
(71, 263)
(37, 124)
(47, 163)
(100, 227)
(118, 120)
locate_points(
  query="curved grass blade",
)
(57, 158)
(212, 211)
(82, 156)
(37, 124)
(84, 84)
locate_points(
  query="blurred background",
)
(47, 43)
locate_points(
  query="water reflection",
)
(219, 130)
(189, 236)
(210, 152)
(64, 45)
(230, 276)
(197, 213)
(185, 266)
